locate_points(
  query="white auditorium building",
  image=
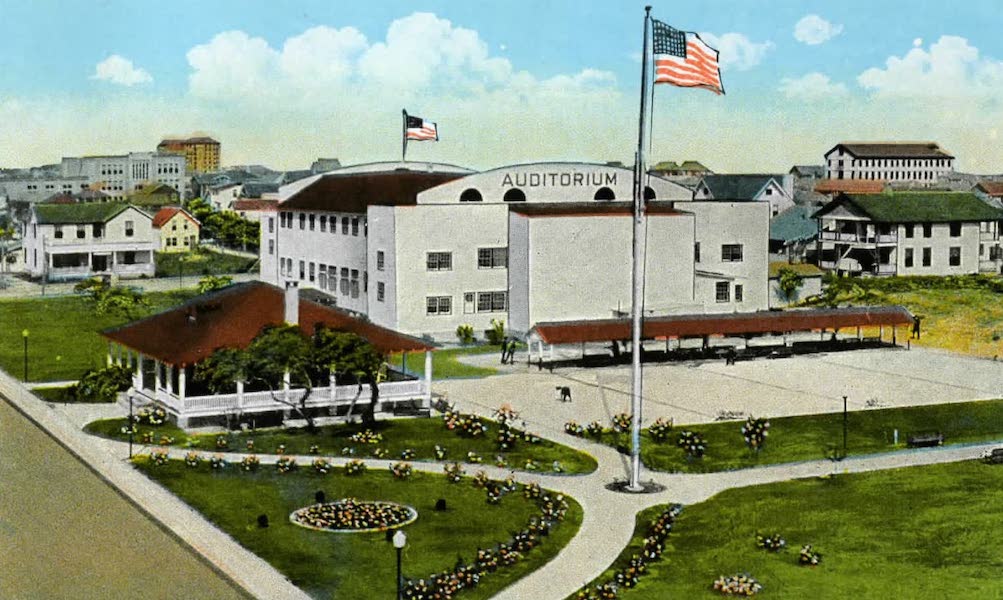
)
(422, 248)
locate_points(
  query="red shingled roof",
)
(992, 188)
(850, 186)
(255, 204)
(605, 330)
(167, 213)
(232, 317)
(352, 193)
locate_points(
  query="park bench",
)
(925, 440)
(995, 457)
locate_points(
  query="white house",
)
(73, 241)
(910, 233)
(423, 248)
(776, 190)
(895, 162)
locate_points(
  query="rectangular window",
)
(59, 232)
(492, 258)
(313, 272)
(739, 292)
(696, 252)
(955, 229)
(355, 283)
(344, 281)
(271, 225)
(344, 225)
(927, 254)
(908, 257)
(129, 258)
(379, 260)
(909, 230)
(302, 270)
(439, 261)
(491, 301)
(381, 291)
(731, 252)
(332, 278)
(81, 232)
(722, 290)
(954, 256)
(271, 246)
(313, 222)
(438, 305)
(97, 230)
(302, 221)
(927, 230)
(469, 302)
(323, 222)
(355, 225)
(129, 229)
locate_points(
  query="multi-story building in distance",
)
(896, 162)
(201, 153)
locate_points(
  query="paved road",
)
(20, 288)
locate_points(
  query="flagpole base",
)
(643, 487)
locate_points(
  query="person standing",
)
(504, 350)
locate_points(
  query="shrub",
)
(407, 454)
(465, 333)
(401, 470)
(159, 457)
(621, 422)
(321, 466)
(285, 464)
(771, 543)
(250, 463)
(102, 385)
(573, 428)
(808, 557)
(314, 449)
(594, 429)
(453, 471)
(660, 429)
(217, 462)
(222, 443)
(154, 416)
(366, 437)
(737, 585)
(355, 467)
(496, 335)
(693, 443)
(473, 457)
(755, 431)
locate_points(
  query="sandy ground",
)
(64, 533)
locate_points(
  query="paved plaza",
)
(698, 391)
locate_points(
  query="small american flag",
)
(683, 59)
(421, 130)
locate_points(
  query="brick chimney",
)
(292, 302)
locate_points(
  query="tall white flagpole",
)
(637, 274)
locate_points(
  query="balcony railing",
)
(853, 238)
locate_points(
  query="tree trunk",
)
(369, 415)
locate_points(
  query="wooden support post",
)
(139, 371)
(894, 332)
(332, 382)
(181, 384)
(240, 396)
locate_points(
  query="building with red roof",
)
(177, 229)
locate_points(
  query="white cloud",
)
(812, 86)
(737, 51)
(951, 67)
(813, 30)
(120, 70)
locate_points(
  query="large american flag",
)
(420, 129)
(683, 59)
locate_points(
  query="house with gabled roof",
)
(75, 241)
(177, 228)
(910, 233)
(773, 189)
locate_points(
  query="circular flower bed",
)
(350, 515)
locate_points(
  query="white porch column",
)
(118, 355)
(181, 384)
(285, 386)
(111, 347)
(139, 371)
(428, 378)
(332, 382)
(157, 383)
(240, 396)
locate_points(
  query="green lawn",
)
(361, 565)
(55, 394)
(202, 262)
(813, 437)
(445, 364)
(420, 435)
(63, 340)
(922, 532)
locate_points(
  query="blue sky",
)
(283, 83)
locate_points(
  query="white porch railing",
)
(254, 402)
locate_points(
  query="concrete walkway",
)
(21, 288)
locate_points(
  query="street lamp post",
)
(131, 424)
(24, 334)
(400, 540)
(844, 426)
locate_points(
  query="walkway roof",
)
(699, 325)
(233, 316)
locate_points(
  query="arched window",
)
(649, 194)
(470, 195)
(514, 195)
(604, 193)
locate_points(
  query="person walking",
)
(504, 350)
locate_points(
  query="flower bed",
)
(353, 516)
(755, 432)
(737, 585)
(693, 443)
(771, 543)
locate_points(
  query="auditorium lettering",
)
(558, 179)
